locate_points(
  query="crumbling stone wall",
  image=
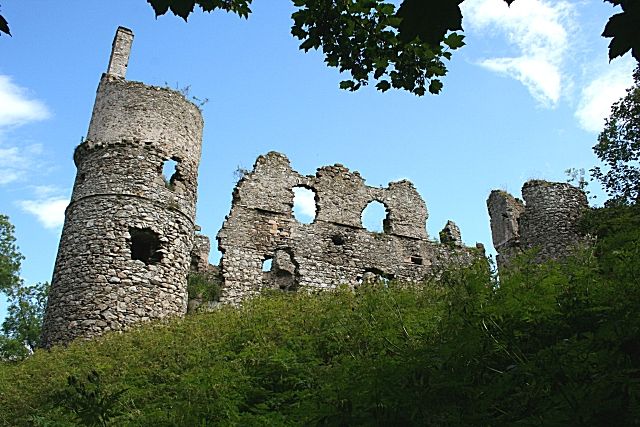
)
(335, 249)
(547, 220)
(126, 244)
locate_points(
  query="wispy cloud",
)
(16, 107)
(17, 163)
(48, 211)
(598, 96)
(538, 30)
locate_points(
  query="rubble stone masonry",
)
(547, 220)
(335, 248)
(124, 254)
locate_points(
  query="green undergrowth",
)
(552, 344)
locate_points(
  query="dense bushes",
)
(553, 344)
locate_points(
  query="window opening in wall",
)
(416, 259)
(266, 264)
(373, 216)
(145, 245)
(373, 275)
(170, 172)
(337, 240)
(304, 204)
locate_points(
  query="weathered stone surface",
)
(125, 249)
(120, 51)
(546, 221)
(335, 249)
(450, 234)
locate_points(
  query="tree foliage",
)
(619, 148)
(10, 257)
(22, 326)
(403, 48)
(624, 29)
(20, 330)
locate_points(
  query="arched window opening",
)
(374, 216)
(145, 245)
(266, 264)
(304, 205)
(170, 173)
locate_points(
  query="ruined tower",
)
(546, 221)
(125, 248)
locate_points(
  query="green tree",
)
(20, 330)
(619, 148)
(22, 327)
(10, 257)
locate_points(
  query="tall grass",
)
(551, 344)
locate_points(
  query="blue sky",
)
(524, 99)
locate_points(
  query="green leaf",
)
(4, 26)
(347, 84)
(454, 40)
(435, 86)
(383, 86)
(160, 7)
(624, 31)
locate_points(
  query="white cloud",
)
(304, 203)
(16, 163)
(48, 211)
(16, 108)
(538, 30)
(598, 96)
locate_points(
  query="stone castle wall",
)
(125, 249)
(335, 249)
(546, 221)
(129, 238)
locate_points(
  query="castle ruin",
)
(335, 248)
(129, 238)
(547, 220)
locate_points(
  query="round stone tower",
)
(550, 219)
(124, 254)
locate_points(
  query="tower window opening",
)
(305, 208)
(145, 245)
(337, 240)
(416, 259)
(170, 173)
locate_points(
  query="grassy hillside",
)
(557, 344)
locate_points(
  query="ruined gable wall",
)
(547, 221)
(335, 249)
